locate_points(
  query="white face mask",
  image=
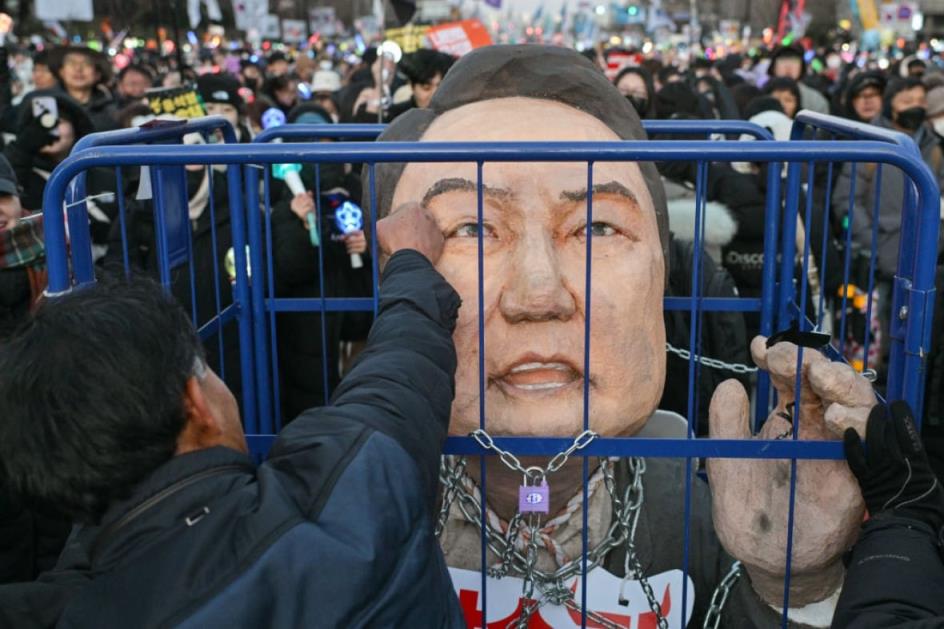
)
(939, 127)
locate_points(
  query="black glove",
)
(895, 477)
(34, 136)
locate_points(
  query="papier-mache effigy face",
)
(534, 248)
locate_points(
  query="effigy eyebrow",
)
(460, 184)
(610, 187)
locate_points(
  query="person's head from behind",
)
(787, 92)
(103, 386)
(534, 244)
(425, 69)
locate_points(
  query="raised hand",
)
(410, 226)
(751, 498)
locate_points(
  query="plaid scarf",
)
(22, 246)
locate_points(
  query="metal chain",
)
(532, 602)
(714, 363)
(720, 596)
(449, 495)
(632, 504)
(581, 441)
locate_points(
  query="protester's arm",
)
(896, 573)
(403, 383)
(894, 578)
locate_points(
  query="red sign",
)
(458, 38)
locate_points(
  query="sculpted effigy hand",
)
(751, 498)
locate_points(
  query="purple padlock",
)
(534, 498)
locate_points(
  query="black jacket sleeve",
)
(403, 383)
(894, 578)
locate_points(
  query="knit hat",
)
(220, 88)
(543, 72)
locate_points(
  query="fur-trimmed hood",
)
(720, 224)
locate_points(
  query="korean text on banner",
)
(182, 102)
(458, 38)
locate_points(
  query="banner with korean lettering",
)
(182, 102)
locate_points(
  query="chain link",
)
(714, 363)
(534, 473)
(720, 596)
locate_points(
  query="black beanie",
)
(220, 88)
(544, 72)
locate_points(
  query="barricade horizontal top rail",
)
(370, 131)
(334, 131)
(163, 131)
(849, 129)
(650, 150)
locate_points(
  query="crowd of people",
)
(245, 86)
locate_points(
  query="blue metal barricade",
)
(173, 232)
(916, 273)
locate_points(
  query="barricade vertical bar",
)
(847, 261)
(801, 322)
(906, 268)
(586, 392)
(122, 222)
(821, 309)
(371, 176)
(81, 243)
(237, 217)
(918, 337)
(321, 283)
(876, 207)
(768, 289)
(788, 245)
(161, 233)
(270, 277)
(216, 270)
(257, 304)
(479, 213)
(191, 272)
(701, 176)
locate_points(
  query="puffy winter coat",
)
(335, 529)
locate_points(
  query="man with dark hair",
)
(111, 415)
(133, 82)
(425, 70)
(84, 74)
